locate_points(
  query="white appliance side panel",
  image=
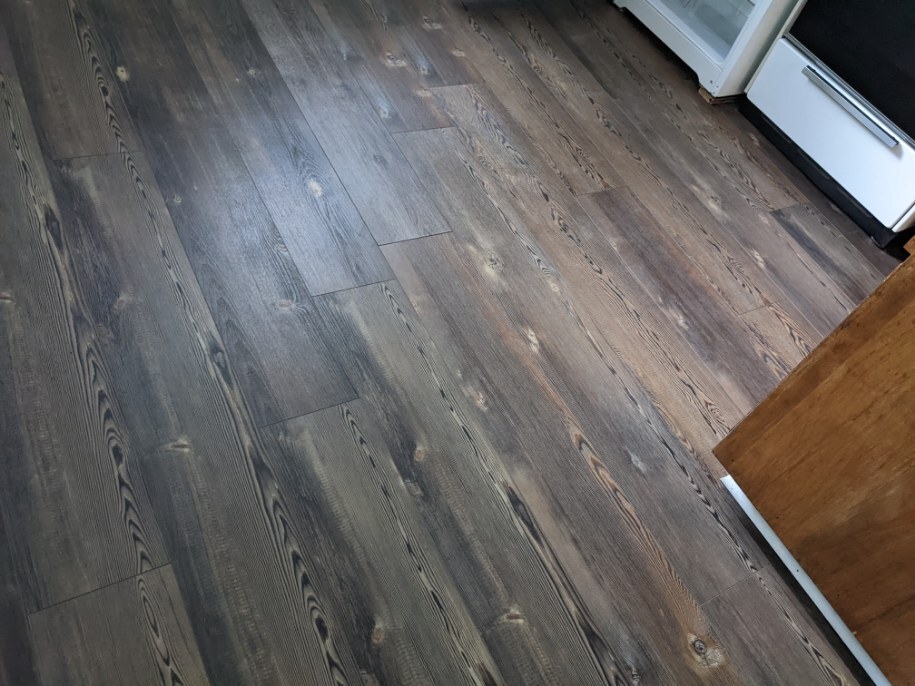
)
(881, 178)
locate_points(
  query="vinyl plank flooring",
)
(765, 622)
(143, 616)
(607, 489)
(616, 307)
(641, 77)
(744, 360)
(67, 81)
(537, 626)
(401, 610)
(241, 562)
(72, 494)
(837, 257)
(322, 229)
(560, 141)
(641, 57)
(252, 285)
(386, 341)
(390, 197)
(757, 236)
(17, 660)
(391, 68)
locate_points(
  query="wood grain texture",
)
(67, 80)
(403, 615)
(659, 92)
(242, 443)
(827, 459)
(319, 225)
(70, 485)
(143, 616)
(17, 661)
(390, 197)
(526, 196)
(241, 561)
(395, 72)
(768, 265)
(743, 360)
(245, 270)
(537, 626)
(773, 641)
(560, 140)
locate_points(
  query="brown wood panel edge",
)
(754, 422)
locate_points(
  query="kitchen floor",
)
(386, 341)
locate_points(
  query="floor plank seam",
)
(748, 575)
(315, 411)
(96, 590)
(363, 285)
(99, 155)
(431, 128)
(415, 238)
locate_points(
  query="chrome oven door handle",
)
(848, 103)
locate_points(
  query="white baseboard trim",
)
(848, 638)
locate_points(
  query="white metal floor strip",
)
(867, 663)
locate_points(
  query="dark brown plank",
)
(250, 281)
(390, 197)
(68, 83)
(393, 70)
(640, 58)
(242, 564)
(614, 304)
(72, 495)
(399, 607)
(772, 639)
(325, 235)
(132, 632)
(17, 661)
(544, 438)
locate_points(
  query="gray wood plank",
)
(389, 195)
(659, 92)
(561, 477)
(745, 360)
(132, 632)
(17, 659)
(251, 283)
(402, 613)
(774, 642)
(391, 68)
(71, 490)
(560, 141)
(836, 256)
(750, 238)
(325, 235)
(67, 81)
(241, 561)
(535, 622)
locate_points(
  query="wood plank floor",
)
(386, 341)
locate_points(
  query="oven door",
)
(862, 151)
(870, 45)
